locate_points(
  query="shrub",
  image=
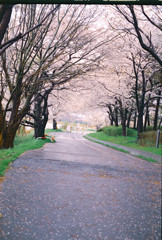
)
(131, 132)
(113, 131)
(117, 131)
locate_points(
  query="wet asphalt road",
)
(77, 189)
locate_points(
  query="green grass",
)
(125, 141)
(52, 130)
(21, 144)
(145, 158)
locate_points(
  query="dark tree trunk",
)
(9, 133)
(5, 15)
(9, 128)
(135, 121)
(123, 129)
(39, 131)
(129, 118)
(41, 112)
(110, 118)
(141, 106)
(146, 118)
(9, 138)
(41, 115)
(123, 115)
(111, 122)
(157, 111)
(140, 122)
(116, 117)
(113, 114)
(54, 124)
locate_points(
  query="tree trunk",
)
(110, 118)
(9, 139)
(8, 134)
(54, 124)
(111, 122)
(41, 115)
(123, 114)
(140, 122)
(146, 118)
(141, 106)
(157, 111)
(135, 121)
(123, 129)
(5, 13)
(39, 131)
(9, 128)
(129, 118)
(116, 117)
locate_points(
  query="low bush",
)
(131, 132)
(117, 131)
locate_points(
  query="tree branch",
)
(7, 44)
(144, 46)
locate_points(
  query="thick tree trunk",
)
(140, 122)
(8, 128)
(9, 138)
(8, 134)
(123, 129)
(41, 115)
(39, 131)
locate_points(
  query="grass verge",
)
(53, 130)
(125, 141)
(121, 150)
(21, 144)
(145, 158)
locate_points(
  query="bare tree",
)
(145, 87)
(137, 20)
(65, 43)
(5, 12)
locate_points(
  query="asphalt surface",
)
(77, 189)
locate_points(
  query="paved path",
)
(77, 189)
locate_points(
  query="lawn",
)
(125, 141)
(21, 144)
(53, 130)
